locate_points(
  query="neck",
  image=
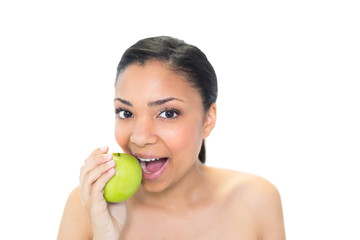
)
(188, 190)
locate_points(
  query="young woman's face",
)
(160, 120)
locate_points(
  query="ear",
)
(210, 120)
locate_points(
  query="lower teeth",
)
(143, 166)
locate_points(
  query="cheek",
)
(183, 139)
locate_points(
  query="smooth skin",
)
(189, 200)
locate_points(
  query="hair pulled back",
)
(181, 58)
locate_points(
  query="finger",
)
(93, 176)
(101, 150)
(96, 198)
(85, 188)
(93, 162)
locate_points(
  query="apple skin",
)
(127, 178)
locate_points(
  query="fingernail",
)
(108, 156)
(103, 148)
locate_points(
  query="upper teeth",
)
(148, 159)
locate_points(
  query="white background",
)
(289, 102)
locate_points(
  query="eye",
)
(169, 114)
(122, 113)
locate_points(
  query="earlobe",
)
(210, 120)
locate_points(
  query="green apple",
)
(126, 180)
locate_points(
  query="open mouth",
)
(152, 167)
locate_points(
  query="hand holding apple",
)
(97, 170)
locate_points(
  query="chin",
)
(154, 186)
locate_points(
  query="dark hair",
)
(181, 58)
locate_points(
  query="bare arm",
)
(75, 223)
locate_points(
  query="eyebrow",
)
(151, 103)
(123, 101)
(163, 101)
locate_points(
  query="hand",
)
(107, 219)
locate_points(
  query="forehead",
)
(153, 80)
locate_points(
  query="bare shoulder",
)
(255, 198)
(253, 189)
(244, 186)
(75, 223)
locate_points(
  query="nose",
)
(143, 133)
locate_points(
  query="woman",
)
(165, 94)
